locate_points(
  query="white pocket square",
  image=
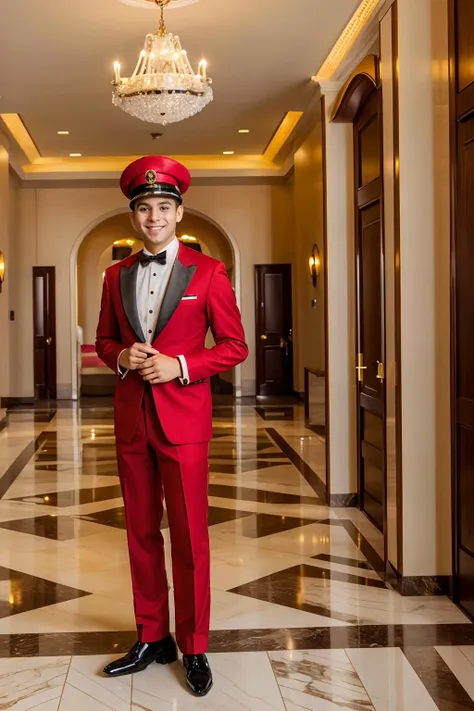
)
(189, 297)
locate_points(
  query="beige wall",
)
(53, 221)
(425, 285)
(90, 268)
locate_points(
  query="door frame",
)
(367, 189)
(288, 267)
(49, 329)
(364, 80)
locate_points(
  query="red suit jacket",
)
(184, 411)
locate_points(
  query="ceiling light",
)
(228, 153)
(188, 238)
(164, 88)
(244, 130)
(75, 155)
(63, 133)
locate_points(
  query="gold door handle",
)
(360, 367)
(263, 337)
(49, 341)
(380, 371)
(284, 344)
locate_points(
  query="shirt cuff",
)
(121, 371)
(184, 369)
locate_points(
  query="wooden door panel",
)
(370, 306)
(44, 334)
(370, 284)
(274, 333)
(462, 45)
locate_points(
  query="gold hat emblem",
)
(150, 177)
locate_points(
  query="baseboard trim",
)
(16, 401)
(417, 585)
(343, 501)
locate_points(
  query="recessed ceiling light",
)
(63, 133)
(244, 130)
(75, 155)
(228, 153)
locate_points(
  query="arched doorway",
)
(92, 253)
(360, 104)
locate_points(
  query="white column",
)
(425, 285)
(340, 299)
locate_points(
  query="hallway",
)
(301, 615)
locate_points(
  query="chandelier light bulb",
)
(164, 88)
(203, 69)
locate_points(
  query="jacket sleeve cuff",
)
(121, 371)
(184, 369)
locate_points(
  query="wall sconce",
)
(315, 265)
(2, 270)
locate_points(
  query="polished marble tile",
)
(390, 680)
(32, 683)
(261, 525)
(460, 661)
(20, 592)
(74, 497)
(352, 599)
(440, 678)
(350, 562)
(319, 680)
(267, 497)
(57, 528)
(242, 682)
(88, 688)
(243, 466)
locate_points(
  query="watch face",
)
(150, 177)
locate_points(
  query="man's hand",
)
(135, 356)
(160, 369)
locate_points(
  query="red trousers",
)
(150, 467)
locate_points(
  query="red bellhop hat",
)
(155, 176)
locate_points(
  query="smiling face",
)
(155, 219)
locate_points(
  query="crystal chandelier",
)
(163, 88)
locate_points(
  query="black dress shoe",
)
(198, 673)
(141, 655)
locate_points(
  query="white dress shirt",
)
(152, 281)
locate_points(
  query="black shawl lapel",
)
(128, 290)
(179, 281)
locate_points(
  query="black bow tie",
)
(146, 259)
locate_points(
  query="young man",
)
(156, 309)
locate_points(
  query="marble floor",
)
(302, 616)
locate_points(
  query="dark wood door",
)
(462, 90)
(274, 334)
(370, 310)
(44, 335)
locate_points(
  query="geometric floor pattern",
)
(302, 617)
